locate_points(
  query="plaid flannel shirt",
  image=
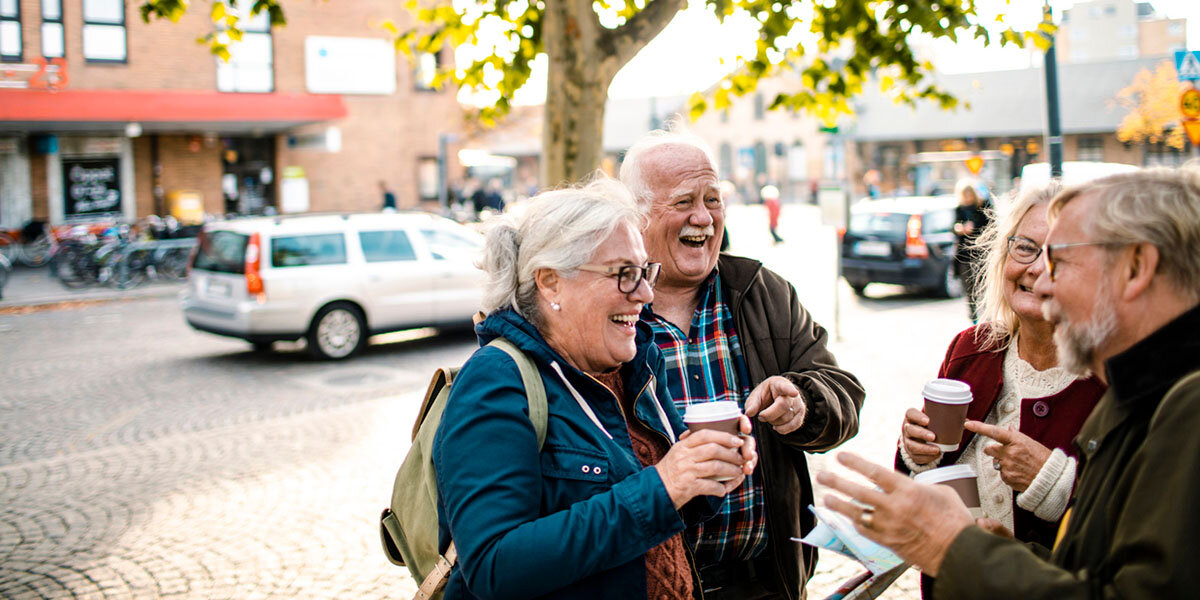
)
(707, 366)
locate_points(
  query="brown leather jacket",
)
(779, 337)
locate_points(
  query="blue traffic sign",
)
(1187, 64)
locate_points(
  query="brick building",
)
(127, 115)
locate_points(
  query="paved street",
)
(140, 459)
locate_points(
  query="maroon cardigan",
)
(1053, 421)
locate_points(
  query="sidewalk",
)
(28, 287)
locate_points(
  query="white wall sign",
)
(344, 65)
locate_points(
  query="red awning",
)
(178, 108)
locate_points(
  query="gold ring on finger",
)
(867, 518)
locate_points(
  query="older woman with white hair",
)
(1027, 408)
(599, 511)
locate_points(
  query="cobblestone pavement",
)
(140, 459)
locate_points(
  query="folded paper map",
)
(837, 533)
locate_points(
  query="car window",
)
(444, 243)
(386, 246)
(308, 250)
(222, 252)
(879, 223)
(938, 221)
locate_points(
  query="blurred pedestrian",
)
(1026, 407)
(389, 198)
(871, 181)
(970, 219)
(770, 197)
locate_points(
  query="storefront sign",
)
(92, 187)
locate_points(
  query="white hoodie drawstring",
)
(584, 405)
(587, 409)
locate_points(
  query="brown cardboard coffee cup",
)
(960, 478)
(946, 402)
(721, 416)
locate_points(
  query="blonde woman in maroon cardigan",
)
(1026, 408)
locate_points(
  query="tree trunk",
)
(578, 79)
(584, 57)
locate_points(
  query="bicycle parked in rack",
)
(5, 271)
(10, 246)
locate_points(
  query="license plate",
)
(869, 248)
(218, 288)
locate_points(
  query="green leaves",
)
(163, 9)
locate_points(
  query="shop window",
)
(889, 156)
(726, 159)
(104, 31)
(53, 45)
(427, 178)
(427, 68)
(10, 31)
(1090, 148)
(250, 67)
(760, 158)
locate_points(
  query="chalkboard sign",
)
(92, 187)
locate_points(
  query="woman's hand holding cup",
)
(707, 462)
(917, 438)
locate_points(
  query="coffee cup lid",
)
(711, 411)
(943, 474)
(948, 391)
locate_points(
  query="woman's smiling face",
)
(1019, 278)
(596, 324)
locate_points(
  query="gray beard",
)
(1077, 343)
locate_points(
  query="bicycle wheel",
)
(128, 269)
(172, 265)
(10, 247)
(38, 252)
(70, 265)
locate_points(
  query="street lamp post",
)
(1054, 137)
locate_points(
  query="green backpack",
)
(409, 527)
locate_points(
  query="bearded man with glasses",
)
(1122, 289)
(730, 329)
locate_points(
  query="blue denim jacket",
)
(574, 520)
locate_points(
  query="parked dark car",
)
(905, 241)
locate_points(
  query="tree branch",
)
(627, 40)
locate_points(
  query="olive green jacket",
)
(780, 337)
(1133, 530)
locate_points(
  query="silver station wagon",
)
(332, 279)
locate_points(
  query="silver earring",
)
(555, 306)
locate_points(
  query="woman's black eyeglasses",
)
(628, 276)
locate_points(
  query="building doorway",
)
(248, 177)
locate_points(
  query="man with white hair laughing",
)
(730, 329)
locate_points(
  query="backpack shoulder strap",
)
(535, 390)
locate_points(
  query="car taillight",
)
(914, 244)
(254, 282)
(841, 231)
